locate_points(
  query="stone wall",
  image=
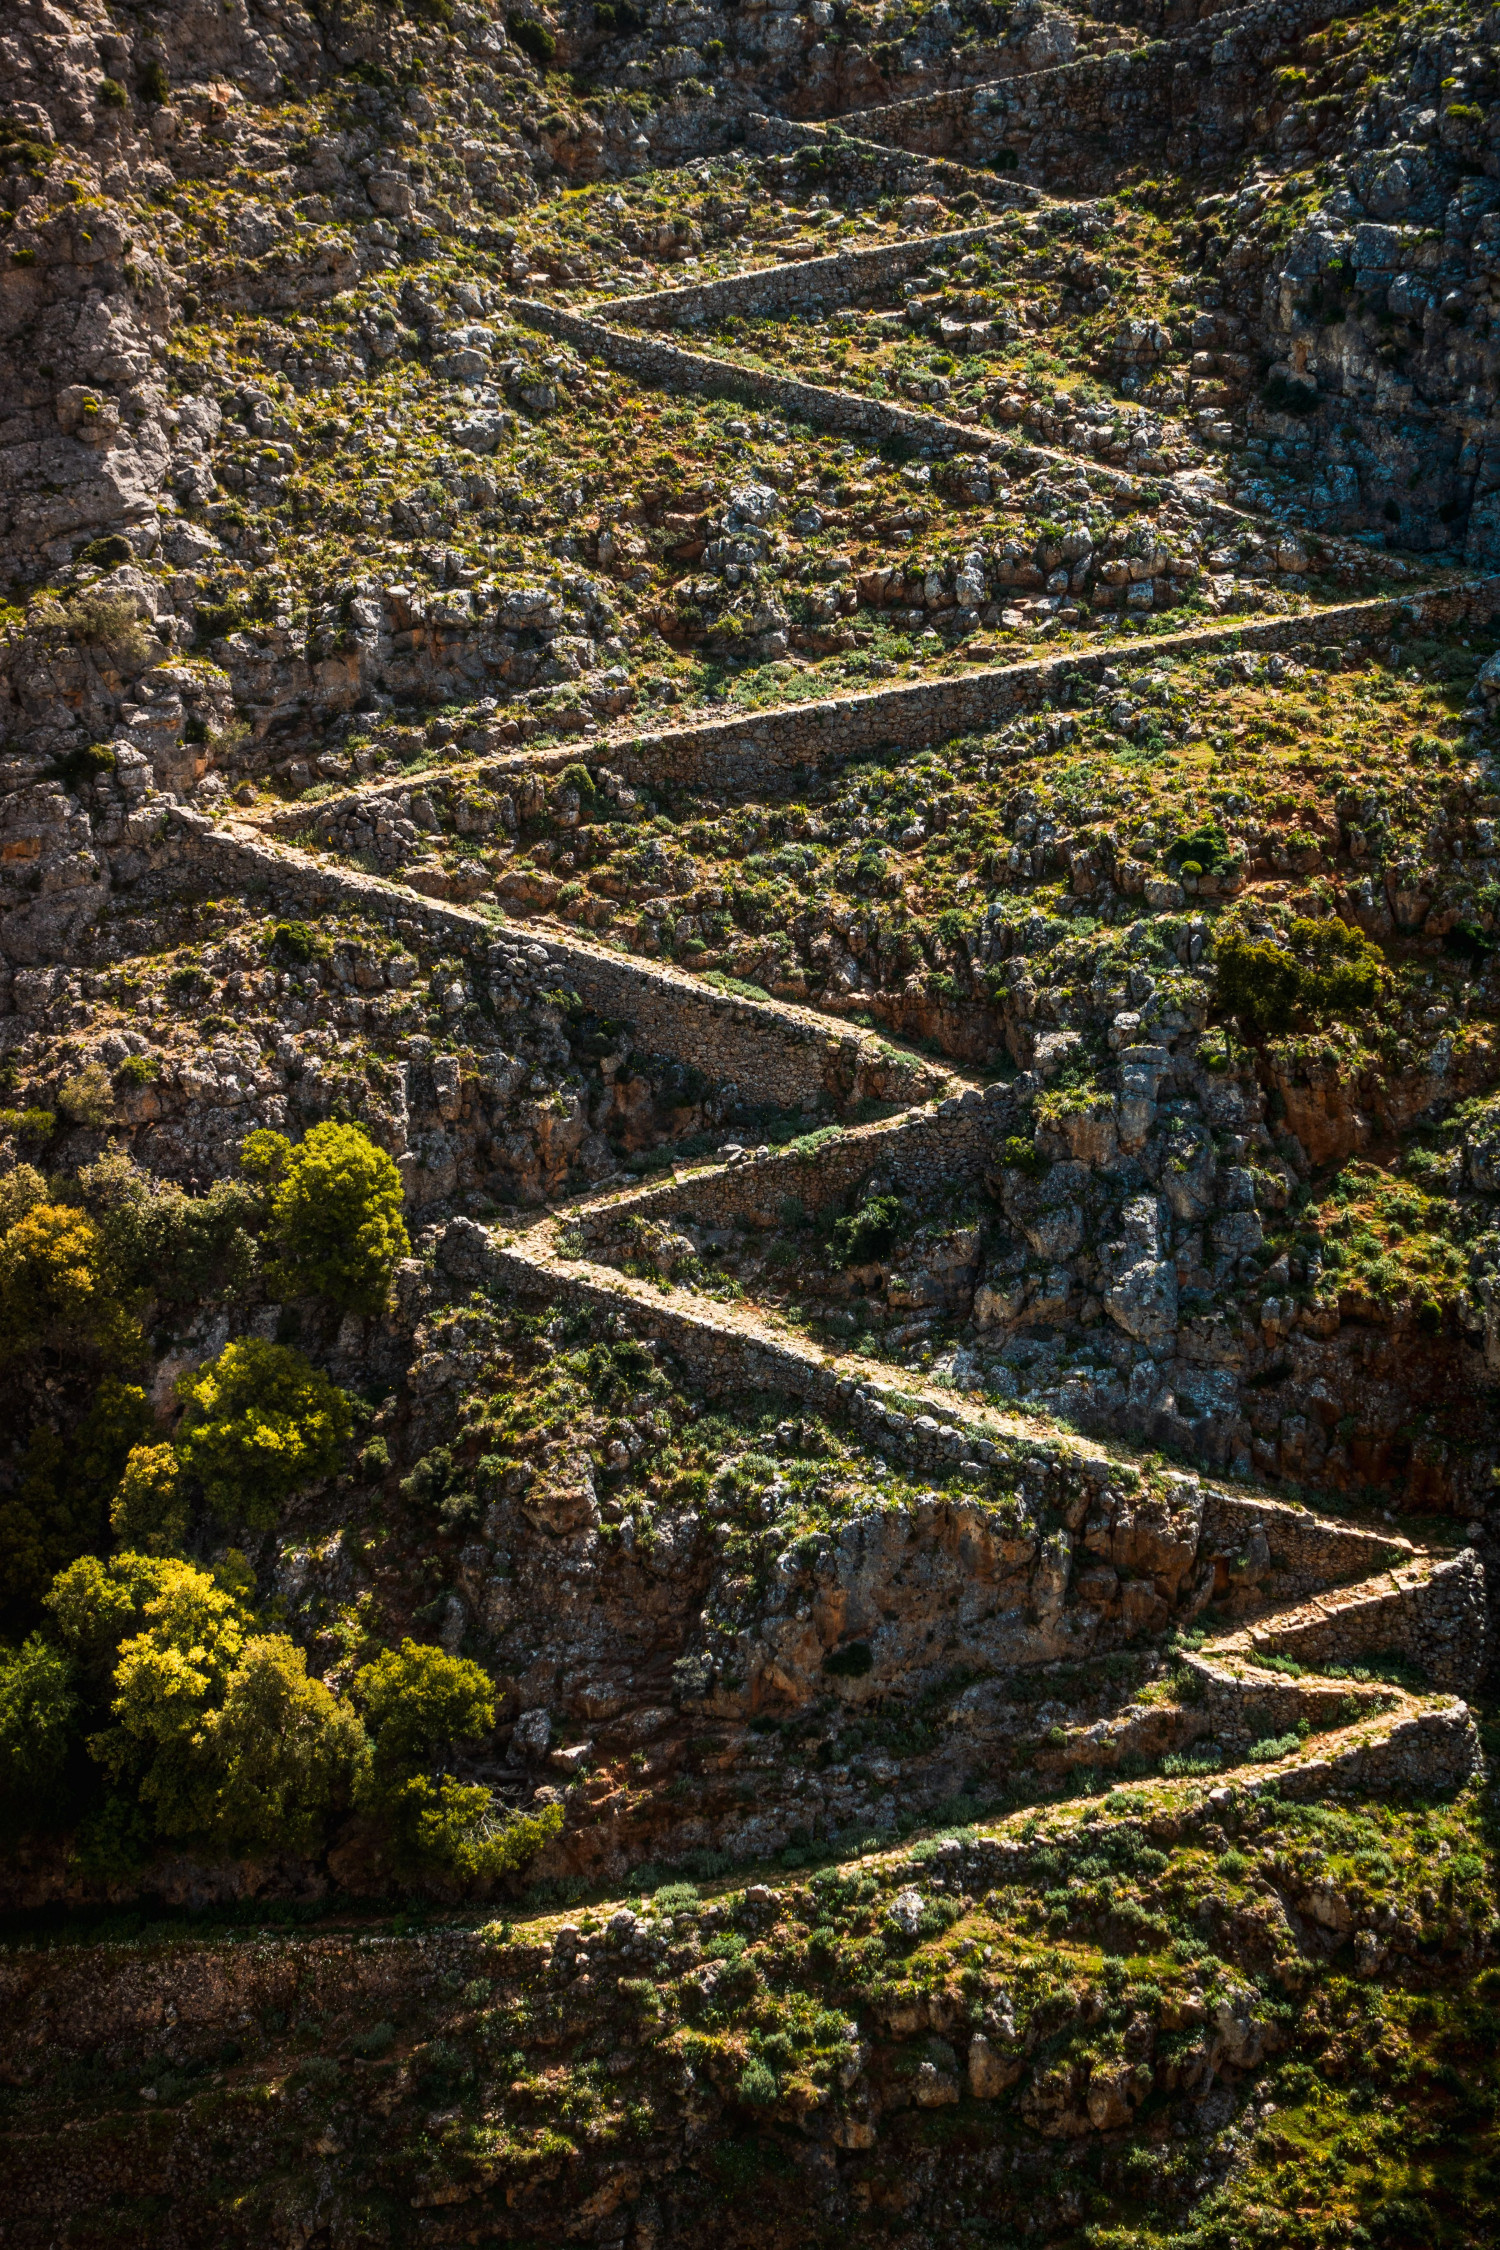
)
(77, 1998)
(747, 752)
(1268, 1703)
(876, 167)
(775, 1055)
(1187, 101)
(915, 1155)
(1430, 1751)
(1307, 1551)
(819, 282)
(758, 751)
(1439, 1621)
(650, 361)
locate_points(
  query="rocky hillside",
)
(749, 1202)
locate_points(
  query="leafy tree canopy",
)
(260, 1422)
(418, 1701)
(38, 1710)
(336, 1203)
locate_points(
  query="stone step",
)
(1431, 1611)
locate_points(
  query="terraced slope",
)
(748, 1251)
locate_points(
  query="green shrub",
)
(335, 1213)
(98, 1601)
(166, 1679)
(675, 1898)
(149, 1511)
(757, 2086)
(1020, 1155)
(579, 779)
(88, 1098)
(98, 619)
(38, 1708)
(851, 1662)
(291, 941)
(139, 1070)
(417, 1702)
(34, 1125)
(260, 1422)
(1272, 1747)
(112, 94)
(1198, 851)
(107, 553)
(153, 84)
(1327, 971)
(219, 1729)
(444, 1486)
(863, 1234)
(533, 39)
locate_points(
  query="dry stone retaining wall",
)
(879, 167)
(1431, 1751)
(651, 361)
(773, 1054)
(1440, 1622)
(72, 1999)
(759, 750)
(1187, 100)
(914, 1155)
(809, 281)
(1306, 1550)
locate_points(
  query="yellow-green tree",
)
(100, 1600)
(335, 1213)
(418, 1701)
(260, 1421)
(218, 1728)
(57, 1293)
(167, 1678)
(149, 1511)
(285, 1754)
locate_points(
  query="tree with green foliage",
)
(216, 1729)
(178, 1246)
(21, 1189)
(336, 1203)
(98, 1602)
(458, 1825)
(58, 1506)
(149, 1512)
(167, 1678)
(418, 1701)
(57, 1292)
(260, 1422)
(285, 1756)
(1326, 972)
(39, 1709)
